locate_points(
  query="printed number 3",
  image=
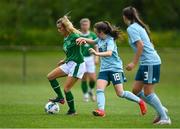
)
(145, 75)
(116, 76)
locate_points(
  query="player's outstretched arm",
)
(81, 41)
(102, 54)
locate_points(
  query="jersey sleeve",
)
(110, 45)
(75, 36)
(94, 36)
(133, 35)
(73, 39)
(96, 41)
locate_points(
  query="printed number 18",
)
(116, 76)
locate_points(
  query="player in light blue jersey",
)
(149, 63)
(111, 67)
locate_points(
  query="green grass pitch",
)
(22, 105)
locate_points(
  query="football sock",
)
(130, 96)
(84, 87)
(56, 87)
(70, 101)
(100, 99)
(92, 84)
(155, 102)
(141, 95)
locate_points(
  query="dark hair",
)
(107, 28)
(132, 14)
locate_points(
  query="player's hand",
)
(60, 62)
(80, 41)
(92, 51)
(130, 66)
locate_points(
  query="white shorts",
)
(90, 64)
(73, 69)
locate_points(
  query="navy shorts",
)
(149, 74)
(114, 77)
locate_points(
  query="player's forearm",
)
(136, 59)
(89, 41)
(104, 54)
(138, 52)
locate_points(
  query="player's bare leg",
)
(56, 73)
(130, 96)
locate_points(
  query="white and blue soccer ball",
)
(52, 108)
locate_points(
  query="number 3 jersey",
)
(111, 63)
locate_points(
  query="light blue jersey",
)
(149, 55)
(112, 63)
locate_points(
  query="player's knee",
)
(67, 89)
(49, 76)
(146, 93)
(148, 89)
(120, 94)
(92, 79)
(99, 87)
(84, 79)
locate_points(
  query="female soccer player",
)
(111, 68)
(73, 66)
(149, 70)
(90, 61)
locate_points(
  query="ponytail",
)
(139, 21)
(131, 14)
(107, 28)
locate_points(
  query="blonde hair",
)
(84, 20)
(67, 25)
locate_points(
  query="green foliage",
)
(32, 22)
(44, 13)
(160, 39)
(32, 37)
(166, 39)
(45, 37)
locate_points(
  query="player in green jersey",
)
(90, 61)
(73, 66)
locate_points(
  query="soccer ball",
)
(52, 108)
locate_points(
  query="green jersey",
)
(72, 50)
(86, 47)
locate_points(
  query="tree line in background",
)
(32, 22)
